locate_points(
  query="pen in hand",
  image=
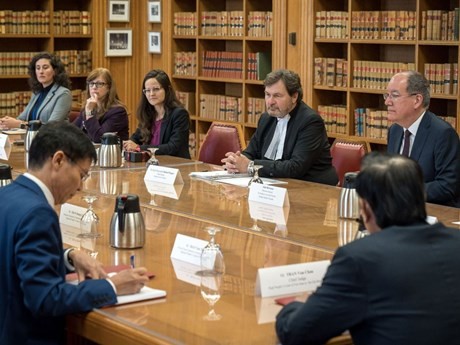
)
(131, 260)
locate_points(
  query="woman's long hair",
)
(60, 75)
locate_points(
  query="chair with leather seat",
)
(73, 114)
(346, 156)
(220, 139)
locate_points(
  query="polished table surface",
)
(307, 230)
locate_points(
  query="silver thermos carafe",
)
(127, 228)
(110, 151)
(5, 174)
(32, 130)
(348, 200)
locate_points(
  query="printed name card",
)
(276, 196)
(167, 190)
(166, 175)
(268, 213)
(188, 249)
(70, 215)
(5, 147)
(290, 279)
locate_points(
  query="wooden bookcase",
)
(414, 50)
(197, 84)
(20, 37)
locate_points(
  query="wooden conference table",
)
(307, 231)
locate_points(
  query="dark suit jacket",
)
(437, 149)
(55, 107)
(174, 135)
(306, 154)
(399, 286)
(114, 120)
(34, 297)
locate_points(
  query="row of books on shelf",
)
(16, 63)
(255, 108)
(371, 123)
(259, 64)
(221, 107)
(260, 24)
(24, 22)
(331, 72)
(72, 22)
(185, 64)
(187, 99)
(443, 77)
(440, 25)
(13, 103)
(223, 23)
(334, 117)
(385, 25)
(376, 74)
(331, 24)
(222, 64)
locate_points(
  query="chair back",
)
(346, 157)
(73, 114)
(220, 139)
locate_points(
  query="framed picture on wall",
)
(154, 11)
(118, 10)
(118, 42)
(154, 42)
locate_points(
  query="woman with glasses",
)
(51, 99)
(163, 122)
(103, 111)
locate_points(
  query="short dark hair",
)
(60, 75)
(290, 79)
(394, 188)
(60, 135)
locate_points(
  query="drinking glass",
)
(211, 291)
(89, 226)
(256, 178)
(254, 226)
(212, 259)
(153, 160)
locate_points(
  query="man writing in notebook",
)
(290, 139)
(398, 286)
(34, 297)
(424, 137)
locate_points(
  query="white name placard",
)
(167, 190)
(166, 175)
(267, 194)
(188, 249)
(290, 279)
(5, 147)
(70, 215)
(186, 272)
(268, 213)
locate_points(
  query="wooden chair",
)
(73, 115)
(346, 156)
(220, 139)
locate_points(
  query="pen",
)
(131, 260)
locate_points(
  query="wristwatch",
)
(251, 168)
(23, 125)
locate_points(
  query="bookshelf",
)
(31, 26)
(357, 45)
(221, 52)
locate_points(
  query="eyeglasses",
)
(83, 174)
(395, 96)
(154, 90)
(97, 84)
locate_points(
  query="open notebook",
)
(146, 292)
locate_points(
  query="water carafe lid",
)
(130, 202)
(109, 139)
(34, 125)
(349, 180)
(5, 172)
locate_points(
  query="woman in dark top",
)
(163, 122)
(103, 111)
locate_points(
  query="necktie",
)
(406, 144)
(273, 148)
